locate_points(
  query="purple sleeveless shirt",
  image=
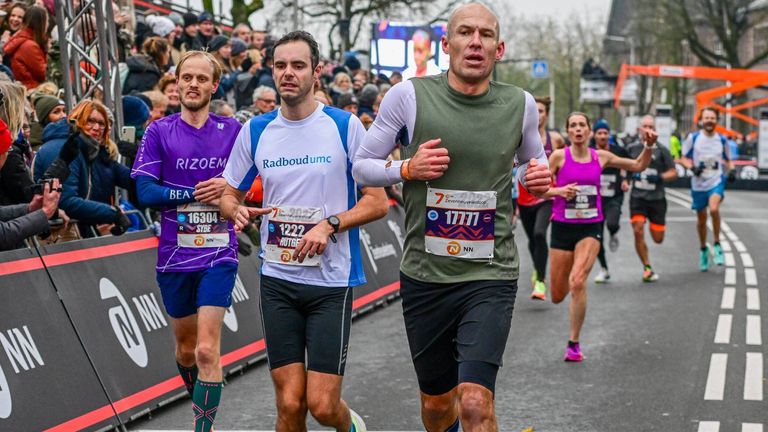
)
(586, 206)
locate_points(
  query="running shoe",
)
(649, 275)
(603, 276)
(613, 243)
(539, 291)
(357, 422)
(719, 257)
(704, 259)
(573, 353)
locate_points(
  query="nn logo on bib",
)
(306, 160)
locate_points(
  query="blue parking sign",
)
(540, 69)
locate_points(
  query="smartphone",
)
(128, 133)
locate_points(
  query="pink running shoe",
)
(573, 352)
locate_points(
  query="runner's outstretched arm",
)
(370, 167)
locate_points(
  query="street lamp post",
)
(627, 40)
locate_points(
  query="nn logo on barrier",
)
(124, 324)
(23, 355)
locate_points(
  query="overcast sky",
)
(561, 9)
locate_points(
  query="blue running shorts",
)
(184, 292)
(701, 198)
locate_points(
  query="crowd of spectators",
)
(149, 47)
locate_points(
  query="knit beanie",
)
(189, 19)
(161, 26)
(601, 124)
(44, 104)
(135, 111)
(217, 42)
(238, 46)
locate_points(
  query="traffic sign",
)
(540, 69)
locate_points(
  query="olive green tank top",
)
(482, 134)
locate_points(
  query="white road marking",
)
(725, 245)
(730, 276)
(753, 378)
(723, 332)
(679, 195)
(716, 377)
(729, 297)
(709, 426)
(680, 202)
(739, 246)
(687, 219)
(731, 236)
(753, 299)
(750, 276)
(751, 427)
(754, 334)
(746, 260)
(729, 260)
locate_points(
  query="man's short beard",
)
(195, 107)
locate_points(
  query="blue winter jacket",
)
(89, 191)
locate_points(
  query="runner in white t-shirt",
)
(705, 152)
(310, 243)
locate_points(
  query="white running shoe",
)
(357, 421)
(603, 276)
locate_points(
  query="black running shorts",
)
(655, 210)
(566, 235)
(457, 332)
(298, 318)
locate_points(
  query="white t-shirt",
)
(307, 164)
(709, 152)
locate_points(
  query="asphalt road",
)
(683, 354)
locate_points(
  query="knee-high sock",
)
(205, 403)
(189, 375)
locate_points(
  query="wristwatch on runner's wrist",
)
(334, 222)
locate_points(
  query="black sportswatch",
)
(334, 222)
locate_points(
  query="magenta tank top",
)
(586, 206)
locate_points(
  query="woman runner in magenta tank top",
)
(577, 217)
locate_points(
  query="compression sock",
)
(189, 375)
(205, 403)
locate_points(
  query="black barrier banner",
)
(45, 375)
(109, 287)
(381, 247)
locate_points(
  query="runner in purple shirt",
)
(178, 169)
